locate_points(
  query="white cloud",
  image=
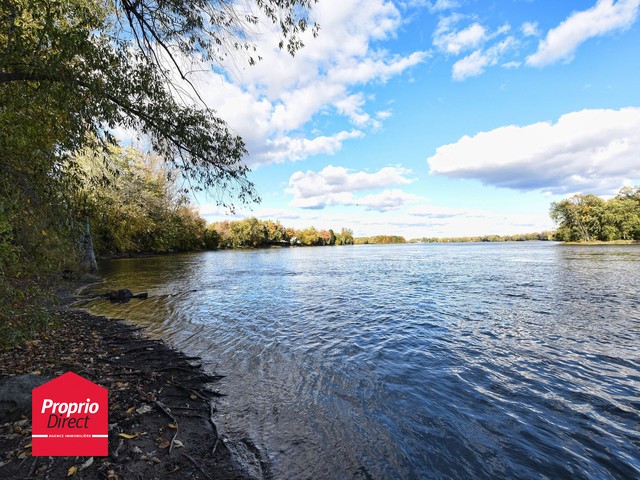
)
(272, 103)
(487, 50)
(561, 42)
(386, 200)
(434, 7)
(340, 179)
(336, 185)
(593, 151)
(290, 148)
(382, 202)
(447, 39)
(440, 5)
(530, 29)
(212, 210)
(475, 64)
(471, 65)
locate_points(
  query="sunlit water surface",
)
(513, 360)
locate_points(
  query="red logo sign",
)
(70, 418)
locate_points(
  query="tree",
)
(346, 236)
(579, 217)
(249, 232)
(332, 237)
(587, 217)
(143, 210)
(309, 236)
(92, 65)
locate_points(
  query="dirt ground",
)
(161, 406)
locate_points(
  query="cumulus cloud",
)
(291, 148)
(336, 185)
(562, 41)
(340, 179)
(272, 104)
(381, 202)
(588, 150)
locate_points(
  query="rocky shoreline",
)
(161, 405)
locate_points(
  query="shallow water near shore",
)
(517, 360)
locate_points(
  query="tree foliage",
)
(519, 237)
(252, 232)
(380, 240)
(137, 206)
(588, 217)
(91, 64)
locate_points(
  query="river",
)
(511, 360)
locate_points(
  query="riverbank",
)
(601, 242)
(161, 405)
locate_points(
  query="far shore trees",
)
(253, 233)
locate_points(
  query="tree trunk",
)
(89, 260)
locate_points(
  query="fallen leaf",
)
(172, 426)
(193, 397)
(86, 464)
(131, 410)
(163, 443)
(178, 443)
(28, 445)
(129, 436)
(72, 471)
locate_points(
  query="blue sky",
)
(438, 118)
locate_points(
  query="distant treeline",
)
(253, 233)
(380, 240)
(522, 237)
(588, 217)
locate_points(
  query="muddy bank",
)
(161, 407)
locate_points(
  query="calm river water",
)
(517, 360)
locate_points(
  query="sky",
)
(437, 118)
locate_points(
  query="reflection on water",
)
(411, 361)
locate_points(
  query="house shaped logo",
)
(70, 418)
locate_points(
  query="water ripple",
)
(412, 361)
